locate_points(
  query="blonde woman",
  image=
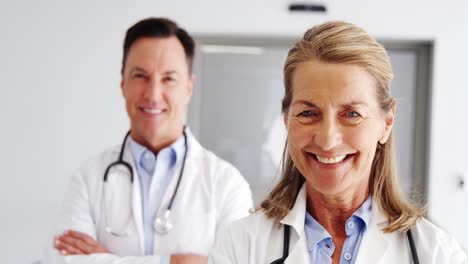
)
(338, 200)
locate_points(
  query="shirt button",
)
(347, 256)
(351, 224)
(147, 155)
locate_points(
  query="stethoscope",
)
(163, 223)
(287, 236)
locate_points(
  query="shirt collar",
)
(315, 232)
(176, 150)
(364, 213)
(360, 219)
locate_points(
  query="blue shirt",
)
(155, 173)
(320, 243)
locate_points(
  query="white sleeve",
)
(234, 245)
(437, 246)
(76, 214)
(451, 252)
(223, 251)
(101, 259)
(234, 198)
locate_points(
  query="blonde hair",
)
(342, 42)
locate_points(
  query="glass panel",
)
(403, 89)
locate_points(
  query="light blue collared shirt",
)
(155, 173)
(320, 243)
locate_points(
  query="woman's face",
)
(334, 123)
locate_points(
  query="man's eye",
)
(139, 76)
(169, 79)
(306, 113)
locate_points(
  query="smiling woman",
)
(334, 124)
(338, 200)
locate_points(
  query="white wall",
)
(60, 100)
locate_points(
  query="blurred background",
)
(60, 99)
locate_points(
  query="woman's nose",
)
(328, 134)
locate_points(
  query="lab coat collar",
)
(136, 196)
(296, 215)
(298, 252)
(375, 242)
(195, 149)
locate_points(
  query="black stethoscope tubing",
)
(287, 235)
(120, 161)
(414, 252)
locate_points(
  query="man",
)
(121, 217)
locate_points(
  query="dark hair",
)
(158, 28)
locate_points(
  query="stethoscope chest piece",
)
(163, 223)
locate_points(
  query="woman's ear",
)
(389, 121)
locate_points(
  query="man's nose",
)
(153, 91)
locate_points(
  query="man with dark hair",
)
(165, 196)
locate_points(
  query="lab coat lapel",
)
(191, 168)
(298, 252)
(375, 243)
(136, 197)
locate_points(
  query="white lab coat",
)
(211, 194)
(259, 240)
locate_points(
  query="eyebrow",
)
(169, 72)
(352, 103)
(140, 69)
(136, 68)
(304, 102)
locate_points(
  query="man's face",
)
(157, 87)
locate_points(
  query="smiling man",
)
(166, 198)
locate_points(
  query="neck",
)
(155, 143)
(333, 211)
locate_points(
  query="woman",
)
(338, 200)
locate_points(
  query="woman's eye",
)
(307, 116)
(352, 117)
(353, 114)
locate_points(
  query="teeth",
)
(152, 111)
(331, 160)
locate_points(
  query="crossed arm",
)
(77, 243)
(72, 246)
